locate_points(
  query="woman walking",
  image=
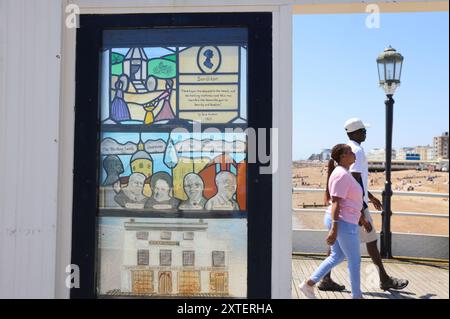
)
(342, 218)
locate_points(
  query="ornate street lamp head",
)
(390, 69)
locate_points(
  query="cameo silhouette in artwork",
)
(209, 54)
(113, 167)
(209, 59)
(193, 187)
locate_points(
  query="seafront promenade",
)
(428, 279)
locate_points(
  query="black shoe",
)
(394, 283)
(330, 285)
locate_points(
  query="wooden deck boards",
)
(426, 280)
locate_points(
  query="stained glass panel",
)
(173, 172)
(156, 85)
(173, 201)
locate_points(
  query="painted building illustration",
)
(135, 65)
(173, 258)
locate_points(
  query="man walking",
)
(356, 131)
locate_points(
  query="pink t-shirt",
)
(343, 185)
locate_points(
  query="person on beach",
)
(342, 218)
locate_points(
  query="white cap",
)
(354, 124)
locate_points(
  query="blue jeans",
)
(347, 245)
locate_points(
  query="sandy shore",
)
(313, 175)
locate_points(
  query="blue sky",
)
(335, 78)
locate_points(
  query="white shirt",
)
(361, 166)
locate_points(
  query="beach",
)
(309, 174)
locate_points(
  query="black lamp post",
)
(389, 71)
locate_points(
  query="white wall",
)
(30, 33)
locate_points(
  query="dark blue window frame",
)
(87, 129)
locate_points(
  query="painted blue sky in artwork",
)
(153, 53)
(122, 138)
(122, 51)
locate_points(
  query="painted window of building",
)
(188, 258)
(218, 258)
(165, 257)
(142, 281)
(188, 235)
(143, 256)
(166, 235)
(189, 282)
(142, 235)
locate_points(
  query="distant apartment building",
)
(325, 155)
(426, 153)
(440, 145)
(404, 152)
(379, 154)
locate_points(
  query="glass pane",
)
(172, 200)
(164, 172)
(380, 72)
(390, 70)
(129, 267)
(152, 85)
(398, 70)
